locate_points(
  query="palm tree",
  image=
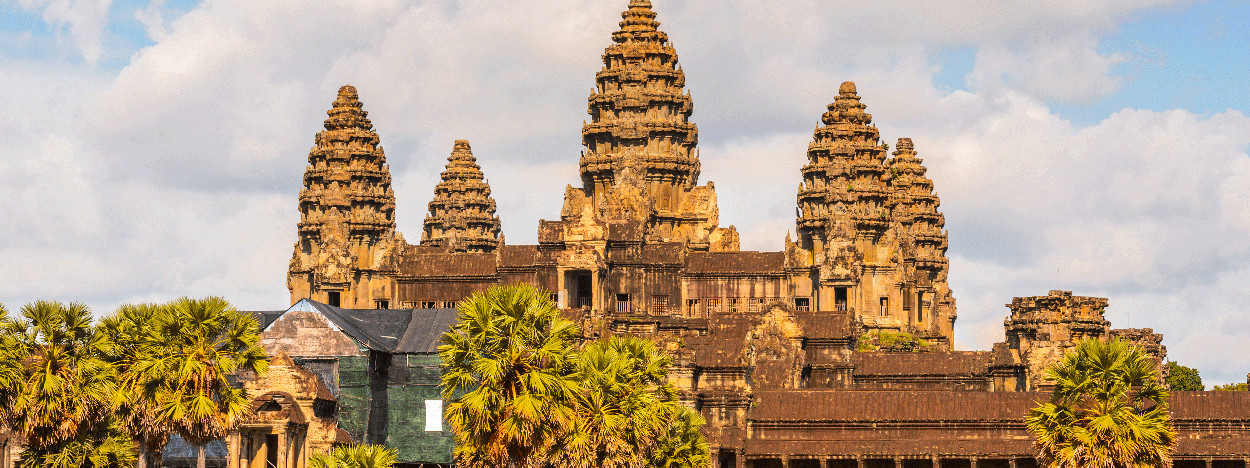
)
(354, 456)
(624, 403)
(508, 376)
(57, 387)
(681, 445)
(628, 415)
(1108, 409)
(129, 339)
(204, 342)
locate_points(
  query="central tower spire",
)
(640, 164)
(640, 131)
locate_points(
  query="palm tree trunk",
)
(143, 454)
(199, 456)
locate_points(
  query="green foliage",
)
(195, 344)
(530, 396)
(56, 386)
(627, 416)
(1108, 409)
(354, 456)
(1182, 378)
(511, 361)
(1232, 387)
(885, 340)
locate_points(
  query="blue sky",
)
(154, 148)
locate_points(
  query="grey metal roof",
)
(397, 331)
(265, 317)
(426, 329)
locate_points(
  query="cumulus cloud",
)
(84, 20)
(178, 175)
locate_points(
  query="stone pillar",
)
(898, 462)
(973, 462)
(1209, 463)
(937, 462)
(282, 450)
(859, 462)
(740, 458)
(233, 454)
(785, 461)
(1011, 463)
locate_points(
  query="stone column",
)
(973, 461)
(937, 462)
(233, 454)
(1209, 463)
(859, 462)
(898, 462)
(282, 450)
(1011, 463)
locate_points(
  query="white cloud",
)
(84, 19)
(179, 175)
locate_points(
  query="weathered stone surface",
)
(462, 213)
(347, 213)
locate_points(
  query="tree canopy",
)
(1108, 409)
(1183, 378)
(524, 391)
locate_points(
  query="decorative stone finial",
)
(847, 88)
(638, 23)
(905, 144)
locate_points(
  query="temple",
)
(836, 351)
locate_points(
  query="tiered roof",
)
(347, 185)
(842, 184)
(640, 114)
(462, 214)
(916, 207)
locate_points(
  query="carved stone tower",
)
(640, 163)
(462, 213)
(347, 212)
(843, 188)
(923, 242)
(1042, 328)
(869, 228)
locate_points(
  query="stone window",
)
(839, 299)
(332, 298)
(381, 304)
(434, 415)
(885, 306)
(694, 307)
(732, 304)
(659, 304)
(408, 305)
(802, 304)
(754, 304)
(426, 304)
(712, 305)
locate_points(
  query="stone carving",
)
(640, 160)
(347, 208)
(861, 214)
(462, 214)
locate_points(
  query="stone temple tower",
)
(462, 214)
(641, 163)
(869, 228)
(347, 212)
